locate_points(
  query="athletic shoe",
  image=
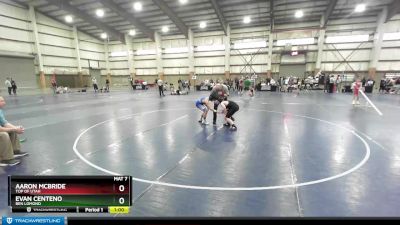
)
(200, 121)
(226, 124)
(357, 102)
(205, 122)
(233, 127)
(354, 102)
(19, 154)
(11, 162)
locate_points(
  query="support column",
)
(191, 54)
(130, 57)
(378, 38)
(107, 55)
(78, 55)
(160, 71)
(39, 58)
(227, 42)
(270, 45)
(321, 40)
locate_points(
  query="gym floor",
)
(312, 154)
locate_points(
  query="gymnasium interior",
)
(317, 129)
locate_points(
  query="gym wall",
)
(22, 70)
(60, 57)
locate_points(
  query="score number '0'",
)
(121, 200)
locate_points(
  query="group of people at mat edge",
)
(218, 96)
(103, 89)
(11, 86)
(10, 147)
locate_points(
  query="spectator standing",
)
(382, 85)
(107, 85)
(8, 85)
(180, 84)
(236, 83)
(160, 84)
(14, 86)
(356, 86)
(54, 85)
(338, 84)
(94, 82)
(331, 83)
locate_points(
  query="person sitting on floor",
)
(60, 90)
(10, 148)
(178, 92)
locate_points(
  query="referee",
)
(217, 95)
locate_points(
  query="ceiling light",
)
(360, 8)
(68, 19)
(165, 29)
(183, 1)
(298, 14)
(138, 6)
(104, 35)
(132, 32)
(203, 25)
(100, 13)
(246, 19)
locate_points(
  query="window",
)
(298, 41)
(203, 48)
(344, 39)
(250, 44)
(391, 36)
(176, 50)
(146, 52)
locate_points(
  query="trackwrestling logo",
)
(33, 220)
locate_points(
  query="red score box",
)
(78, 189)
(74, 185)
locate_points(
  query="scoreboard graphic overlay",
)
(75, 194)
